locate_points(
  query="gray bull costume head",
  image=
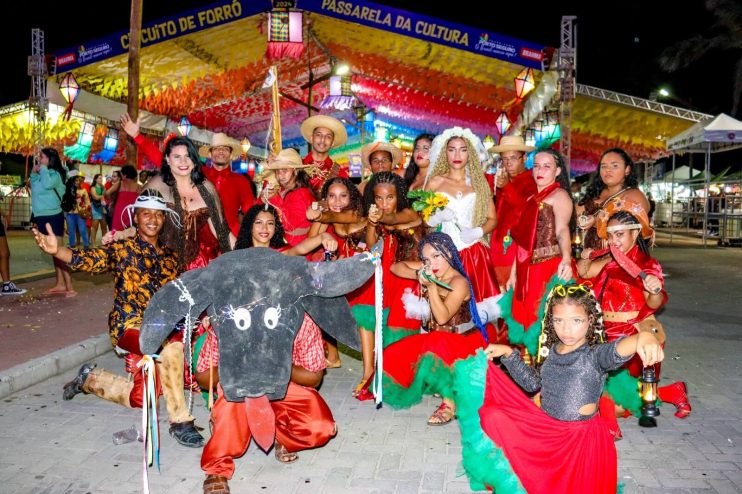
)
(256, 299)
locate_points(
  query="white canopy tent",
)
(721, 133)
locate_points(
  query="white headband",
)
(150, 202)
(618, 228)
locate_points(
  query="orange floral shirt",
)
(138, 272)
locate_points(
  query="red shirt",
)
(292, 206)
(234, 193)
(510, 201)
(325, 171)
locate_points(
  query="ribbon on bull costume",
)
(150, 430)
(379, 327)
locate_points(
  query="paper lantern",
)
(184, 126)
(70, 90)
(81, 150)
(245, 145)
(524, 83)
(285, 34)
(502, 123)
(340, 95)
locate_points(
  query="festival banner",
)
(431, 29)
(161, 30)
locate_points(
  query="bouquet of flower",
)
(427, 202)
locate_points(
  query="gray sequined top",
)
(567, 381)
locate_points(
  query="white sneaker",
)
(9, 288)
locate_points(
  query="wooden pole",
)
(276, 113)
(132, 102)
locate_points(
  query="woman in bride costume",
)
(456, 172)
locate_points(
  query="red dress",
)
(511, 445)
(537, 257)
(622, 300)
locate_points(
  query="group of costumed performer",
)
(500, 423)
(629, 302)
(141, 265)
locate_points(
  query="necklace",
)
(612, 196)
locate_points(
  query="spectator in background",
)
(98, 209)
(652, 207)
(47, 188)
(80, 212)
(110, 198)
(126, 190)
(9, 287)
(143, 177)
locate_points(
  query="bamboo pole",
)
(276, 146)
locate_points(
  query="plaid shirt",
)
(138, 272)
(308, 351)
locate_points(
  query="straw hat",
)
(286, 158)
(372, 147)
(220, 139)
(328, 122)
(511, 143)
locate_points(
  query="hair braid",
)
(444, 245)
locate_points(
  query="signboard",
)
(158, 31)
(10, 180)
(431, 29)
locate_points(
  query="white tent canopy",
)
(721, 133)
(681, 173)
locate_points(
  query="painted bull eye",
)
(242, 318)
(270, 318)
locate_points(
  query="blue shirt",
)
(47, 190)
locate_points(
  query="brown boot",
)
(216, 484)
(171, 379)
(109, 386)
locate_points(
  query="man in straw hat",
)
(292, 196)
(379, 157)
(514, 186)
(323, 133)
(134, 285)
(234, 189)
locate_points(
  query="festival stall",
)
(719, 134)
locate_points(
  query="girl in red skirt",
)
(512, 445)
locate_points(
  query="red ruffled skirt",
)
(548, 455)
(526, 306)
(422, 364)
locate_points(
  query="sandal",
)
(333, 365)
(284, 455)
(55, 291)
(363, 385)
(216, 484)
(70, 294)
(443, 415)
